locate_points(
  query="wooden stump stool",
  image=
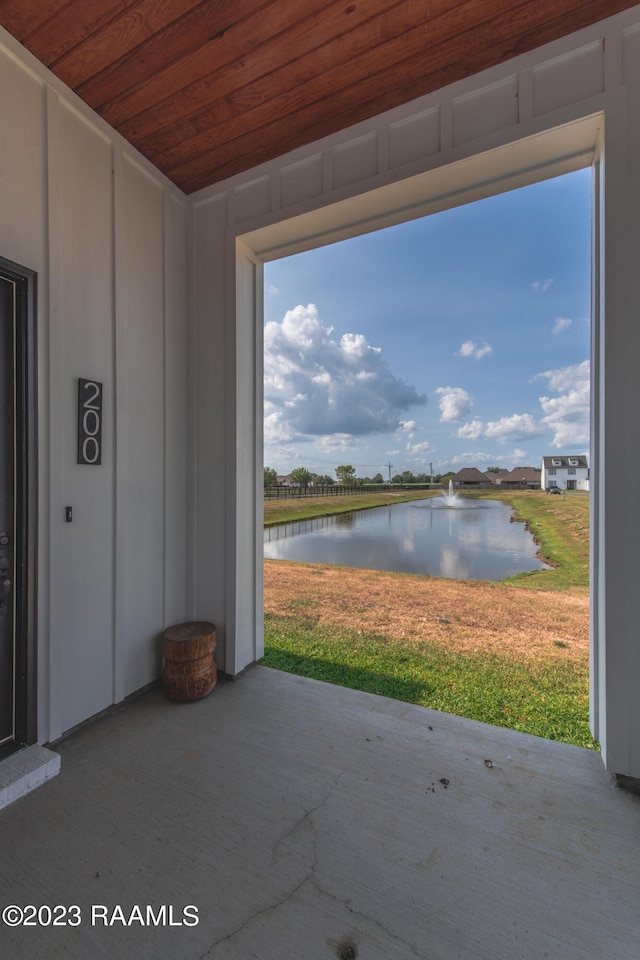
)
(189, 667)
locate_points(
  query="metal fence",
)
(336, 490)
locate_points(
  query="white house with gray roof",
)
(567, 473)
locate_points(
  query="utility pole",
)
(390, 466)
(431, 474)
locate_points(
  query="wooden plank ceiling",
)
(208, 89)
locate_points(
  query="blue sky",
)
(461, 339)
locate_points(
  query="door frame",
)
(25, 504)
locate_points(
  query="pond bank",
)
(286, 511)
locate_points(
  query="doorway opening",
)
(429, 351)
(18, 504)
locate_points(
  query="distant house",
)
(496, 477)
(284, 480)
(522, 478)
(470, 477)
(567, 473)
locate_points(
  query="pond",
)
(473, 539)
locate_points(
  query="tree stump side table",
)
(189, 666)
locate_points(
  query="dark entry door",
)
(7, 512)
(17, 503)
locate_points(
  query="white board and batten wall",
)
(159, 296)
(107, 237)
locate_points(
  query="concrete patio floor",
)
(304, 821)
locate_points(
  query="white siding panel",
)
(355, 160)
(212, 382)
(140, 419)
(301, 181)
(176, 448)
(98, 622)
(253, 199)
(620, 454)
(244, 539)
(415, 137)
(22, 167)
(486, 110)
(567, 79)
(81, 556)
(631, 54)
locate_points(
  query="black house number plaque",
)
(89, 421)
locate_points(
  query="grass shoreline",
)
(289, 511)
(513, 653)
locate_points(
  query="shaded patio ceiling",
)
(206, 90)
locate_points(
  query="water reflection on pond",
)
(473, 540)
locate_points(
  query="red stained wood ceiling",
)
(208, 89)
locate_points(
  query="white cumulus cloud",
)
(568, 414)
(417, 448)
(276, 429)
(408, 427)
(471, 349)
(561, 323)
(471, 431)
(519, 426)
(336, 442)
(455, 404)
(479, 459)
(318, 386)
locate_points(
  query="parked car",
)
(552, 489)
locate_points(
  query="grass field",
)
(513, 653)
(287, 511)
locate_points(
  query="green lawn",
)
(547, 700)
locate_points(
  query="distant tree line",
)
(346, 474)
(406, 477)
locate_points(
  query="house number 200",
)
(89, 421)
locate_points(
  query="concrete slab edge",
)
(22, 772)
(626, 783)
